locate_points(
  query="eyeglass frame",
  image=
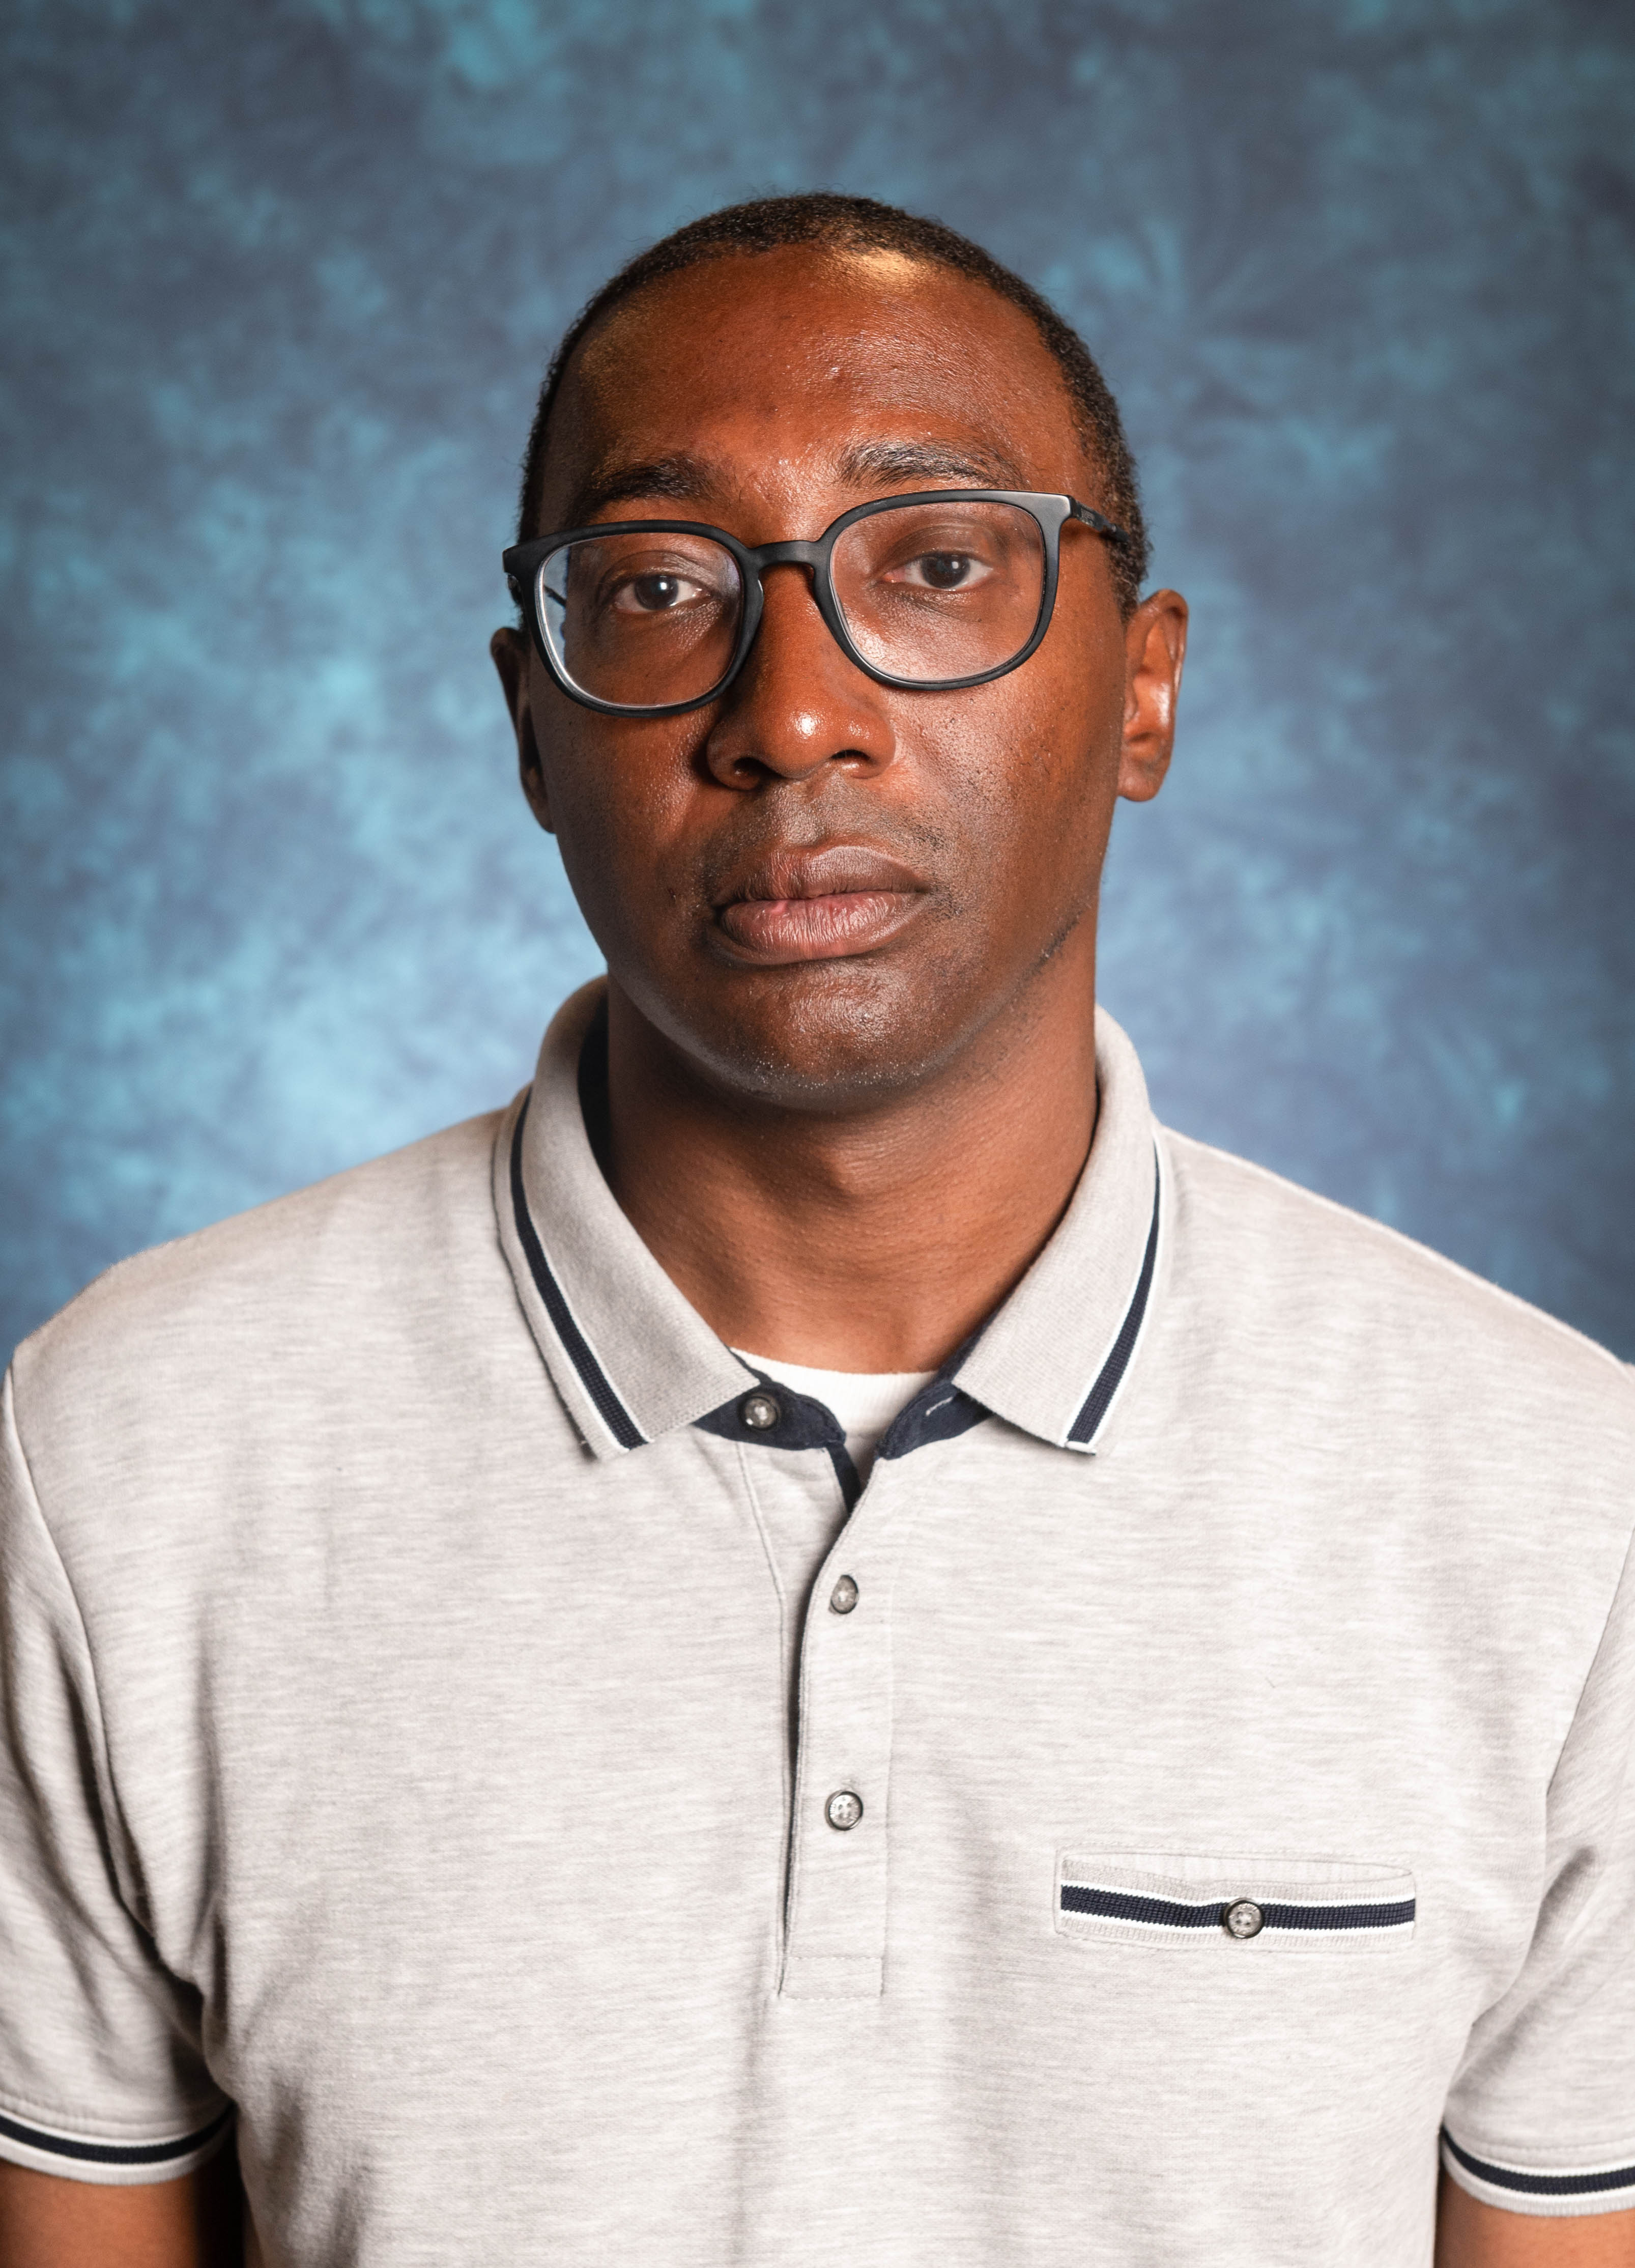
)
(523, 561)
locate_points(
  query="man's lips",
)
(819, 905)
(816, 928)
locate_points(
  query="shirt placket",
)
(835, 1940)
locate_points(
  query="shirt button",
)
(844, 1810)
(1243, 1918)
(844, 1597)
(760, 1412)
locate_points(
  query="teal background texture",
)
(277, 282)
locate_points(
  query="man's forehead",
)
(860, 379)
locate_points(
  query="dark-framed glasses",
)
(946, 588)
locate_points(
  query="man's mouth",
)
(819, 905)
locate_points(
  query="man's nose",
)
(798, 703)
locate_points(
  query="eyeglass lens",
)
(930, 592)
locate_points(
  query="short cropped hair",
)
(862, 224)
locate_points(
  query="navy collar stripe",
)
(1512, 2177)
(114, 2154)
(1168, 1913)
(593, 1377)
(1099, 1399)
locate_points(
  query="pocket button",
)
(1243, 1918)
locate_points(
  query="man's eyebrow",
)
(685, 480)
(969, 465)
(676, 480)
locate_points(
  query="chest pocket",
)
(1221, 1905)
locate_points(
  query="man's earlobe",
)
(511, 654)
(1155, 647)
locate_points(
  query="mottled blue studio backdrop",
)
(279, 278)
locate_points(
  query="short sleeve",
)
(1541, 2118)
(101, 2079)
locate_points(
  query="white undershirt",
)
(864, 1400)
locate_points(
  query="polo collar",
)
(632, 1359)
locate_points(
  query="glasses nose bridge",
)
(794, 553)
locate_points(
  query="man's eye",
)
(653, 594)
(943, 571)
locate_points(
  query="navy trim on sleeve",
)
(115, 2154)
(593, 1377)
(1597, 2183)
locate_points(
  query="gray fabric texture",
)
(394, 1748)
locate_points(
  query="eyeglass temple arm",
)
(1102, 526)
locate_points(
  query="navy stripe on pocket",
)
(1212, 1898)
(1166, 1913)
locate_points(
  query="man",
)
(821, 1644)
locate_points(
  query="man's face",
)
(820, 889)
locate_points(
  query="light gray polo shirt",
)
(1198, 1774)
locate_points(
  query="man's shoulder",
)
(320, 1263)
(1332, 1286)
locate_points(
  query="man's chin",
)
(829, 1037)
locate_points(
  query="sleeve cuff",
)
(77, 2157)
(1595, 2184)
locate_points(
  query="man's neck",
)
(871, 1241)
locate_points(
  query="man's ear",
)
(1155, 648)
(511, 657)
